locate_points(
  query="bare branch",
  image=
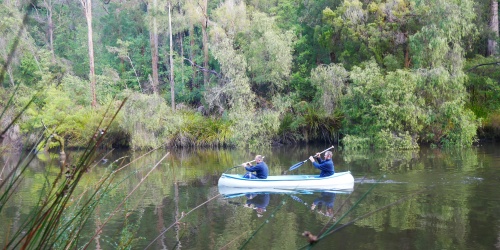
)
(202, 68)
(483, 64)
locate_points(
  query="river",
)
(425, 199)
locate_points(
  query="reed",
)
(61, 214)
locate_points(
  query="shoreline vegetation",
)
(240, 74)
(144, 74)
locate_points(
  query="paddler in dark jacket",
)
(260, 169)
(326, 165)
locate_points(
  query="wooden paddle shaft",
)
(325, 150)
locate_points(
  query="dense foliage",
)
(390, 74)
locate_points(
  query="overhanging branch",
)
(202, 68)
(483, 64)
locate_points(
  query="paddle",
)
(240, 165)
(302, 162)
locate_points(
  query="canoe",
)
(338, 181)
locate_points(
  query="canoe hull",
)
(338, 181)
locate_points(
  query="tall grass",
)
(308, 123)
(60, 214)
(149, 122)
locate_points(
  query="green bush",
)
(356, 142)
(150, 123)
(387, 140)
(144, 121)
(308, 123)
(56, 112)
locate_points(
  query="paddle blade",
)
(296, 166)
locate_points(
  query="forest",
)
(393, 74)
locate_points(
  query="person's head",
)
(258, 158)
(329, 211)
(260, 211)
(328, 155)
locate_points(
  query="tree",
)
(172, 82)
(356, 31)
(268, 51)
(439, 43)
(49, 7)
(331, 81)
(153, 39)
(87, 9)
(492, 41)
(123, 53)
(204, 27)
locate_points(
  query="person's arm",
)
(318, 158)
(311, 159)
(321, 166)
(253, 168)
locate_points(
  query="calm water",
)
(427, 199)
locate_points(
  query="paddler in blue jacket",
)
(260, 169)
(326, 165)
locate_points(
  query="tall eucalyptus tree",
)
(492, 41)
(87, 9)
(153, 41)
(194, 16)
(172, 81)
(49, 7)
(204, 29)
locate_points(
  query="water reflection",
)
(258, 202)
(324, 203)
(320, 201)
(458, 211)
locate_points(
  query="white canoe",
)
(338, 181)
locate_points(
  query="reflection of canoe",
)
(338, 181)
(231, 192)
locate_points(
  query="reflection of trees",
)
(405, 161)
(183, 182)
(440, 213)
(387, 161)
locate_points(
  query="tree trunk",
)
(407, 52)
(87, 8)
(172, 83)
(50, 25)
(205, 41)
(492, 42)
(181, 37)
(153, 37)
(191, 54)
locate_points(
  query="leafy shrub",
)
(56, 113)
(144, 121)
(387, 140)
(356, 142)
(405, 105)
(491, 126)
(196, 130)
